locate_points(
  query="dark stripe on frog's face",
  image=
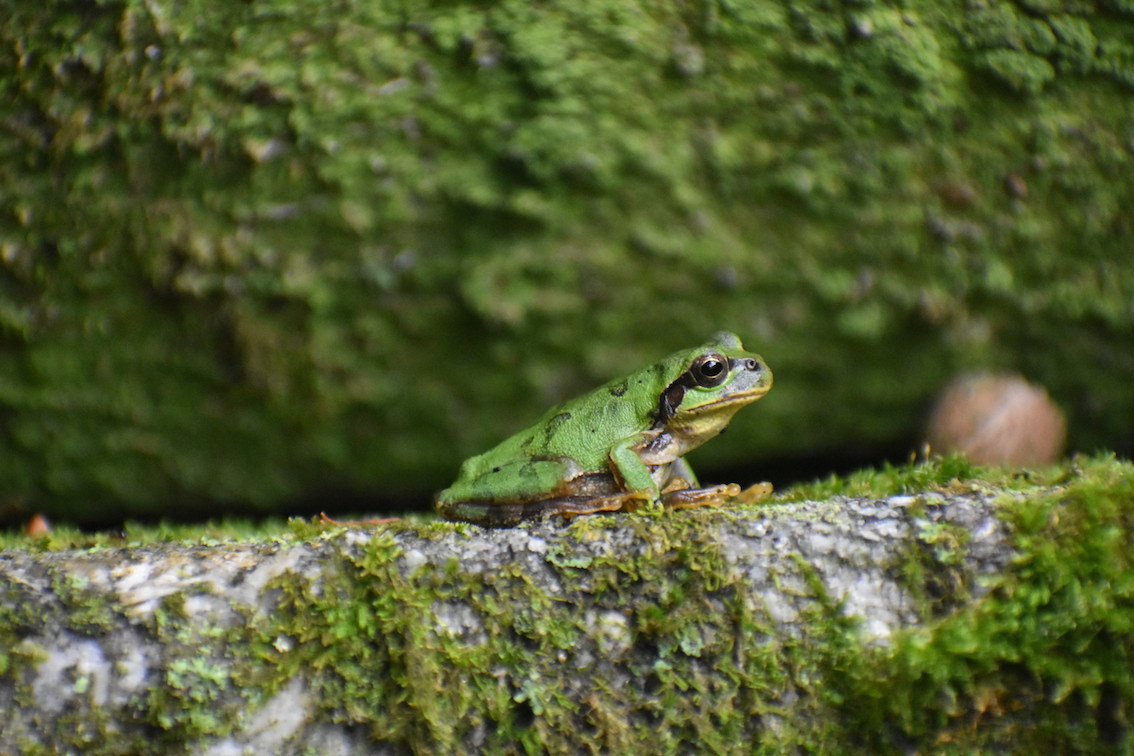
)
(670, 399)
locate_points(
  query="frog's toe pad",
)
(754, 494)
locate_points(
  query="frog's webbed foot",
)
(688, 498)
(755, 493)
(714, 496)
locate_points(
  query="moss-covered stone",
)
(631, 632)
(1037, 665)
(249, 251)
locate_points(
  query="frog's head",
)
(712, 382)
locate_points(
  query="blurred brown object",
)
(37, 525)
(997, 420)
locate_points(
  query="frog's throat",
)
(683, 433)
(693, 428)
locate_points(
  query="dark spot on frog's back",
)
(554, 424)
(619, 389)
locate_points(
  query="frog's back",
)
(578, 433)
(587, 433)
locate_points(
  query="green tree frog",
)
(620, 447)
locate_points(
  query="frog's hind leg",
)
(688, 498)
(497, 515)
(484, 514)
(570, 506)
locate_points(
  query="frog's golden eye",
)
(709, 370)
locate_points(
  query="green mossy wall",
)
(253, 250)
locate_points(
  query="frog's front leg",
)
(632, 472)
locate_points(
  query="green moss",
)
(363, 636)
(255, 252)
(135, 535)
(381, 659)
(196, 685)
(208, 679)
(945, 474)
(1022, 72)
(86, 611)
(1036, 664)
(934, 571)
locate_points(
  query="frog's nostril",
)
(752, 364)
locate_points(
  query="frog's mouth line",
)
(742, 398)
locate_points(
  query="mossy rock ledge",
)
(948, 615)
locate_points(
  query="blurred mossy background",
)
(251, 252)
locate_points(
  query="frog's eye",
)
(709, 370)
